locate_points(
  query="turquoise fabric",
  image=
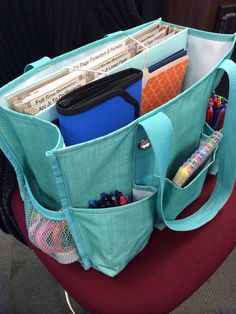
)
(113, 236)
(39, 63)
(162, 141)
(25, 140)
(60, 180)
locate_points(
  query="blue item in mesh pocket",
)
(100, 107)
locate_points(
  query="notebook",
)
(163, 84)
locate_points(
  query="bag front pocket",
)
(176, 198)
(113, 236)
(49, 231)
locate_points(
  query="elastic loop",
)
(41, 62)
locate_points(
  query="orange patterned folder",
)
(163, 84)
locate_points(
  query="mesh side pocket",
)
(51, 236)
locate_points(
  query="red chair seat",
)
(162, 276)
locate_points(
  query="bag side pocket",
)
(49, 231)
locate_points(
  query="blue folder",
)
(100, 107)
(167, 60)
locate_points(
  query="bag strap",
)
(160, 131)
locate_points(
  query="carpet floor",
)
(26, 287)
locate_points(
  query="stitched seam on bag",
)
(60, 182)
(81, 247)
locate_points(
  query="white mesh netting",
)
(51, 236)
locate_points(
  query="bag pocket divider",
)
(213, 169)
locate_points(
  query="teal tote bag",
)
(56, 181)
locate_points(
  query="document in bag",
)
(163, 81)
(39, 96)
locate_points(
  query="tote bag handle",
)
(161, 139)
(36, 64)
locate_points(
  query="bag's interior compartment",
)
(59, 63)
(137, 194)
(145, 57)
(215, 112)
(204, 55)
(117, 198)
